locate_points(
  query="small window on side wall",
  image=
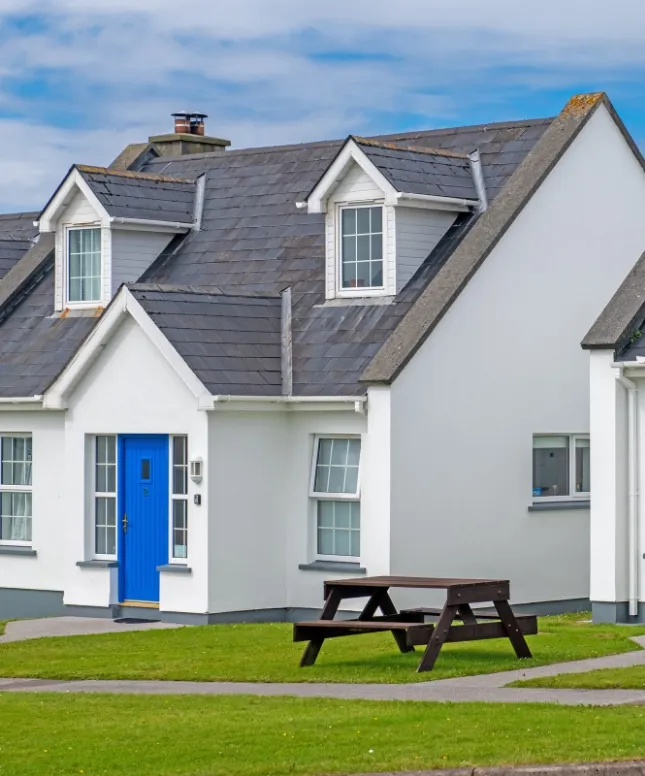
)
(84, 265)
(336, 491)
(561, 466)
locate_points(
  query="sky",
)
(79, 79)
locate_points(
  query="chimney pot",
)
(189, 123)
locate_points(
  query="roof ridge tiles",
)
(413, 149)
(146, 176)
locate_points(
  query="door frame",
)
(120, 501)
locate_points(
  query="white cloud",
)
(266, 71)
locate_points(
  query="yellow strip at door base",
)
(142, 604)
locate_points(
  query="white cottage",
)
(226, 375)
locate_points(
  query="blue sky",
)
(79, 79)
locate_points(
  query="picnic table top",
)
(440, 583)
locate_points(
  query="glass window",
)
(582, 466)
(15, 489)
(336, 490)
(362, 247)
(105, 496)
(179, 497)
(84, 265)
(560, 466)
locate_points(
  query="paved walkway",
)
(490, 688)
(20, 630)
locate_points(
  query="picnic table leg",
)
(467, 615)
(329, 611)
(387, 607)
(515, 635)
(440, 634)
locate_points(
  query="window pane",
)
(363, 247)
(341, 543)
(325, 541)
(377, 247)
(179, 447)
(355, 544)
(336, 480)
(326, 514)
(355, 513)
(376, 278)
(377, 219)
(582, 466)
(363, 220)
(341, 514)
(351, 480)
(363, 274)
(180, 528)
(353, 451)
(110, 448)
(339, 451)
(349, 275)
(551, 466)
(324, 451)
(349, 221)
(145, 468)
(349, 249)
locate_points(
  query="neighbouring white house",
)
(227, 375)
(617, 388)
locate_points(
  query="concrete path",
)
(72, 626)
(490, 688)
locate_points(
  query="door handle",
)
(124, 523)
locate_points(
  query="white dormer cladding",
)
(412, 224)
(121, 248)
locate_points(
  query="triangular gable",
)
(124, 304)
(62, 198)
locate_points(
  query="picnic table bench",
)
(408, 626)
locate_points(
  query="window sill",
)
(333, 565)
(10, 549)
(97, 564)
(558, 506)
(175, 568)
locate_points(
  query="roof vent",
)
(188, 137)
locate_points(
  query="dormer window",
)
(84, 265)
(361, 253)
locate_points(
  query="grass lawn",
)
(266, 653)
(604, 679)
(98, 735)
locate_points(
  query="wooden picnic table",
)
(409, 626)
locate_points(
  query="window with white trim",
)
(561, 466)
(361, 248)
(105, 532)
(179, 498)
(84, 265)
(335, 488)
(15, 489)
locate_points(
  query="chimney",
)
(189, 137)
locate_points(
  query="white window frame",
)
(19, 488)
(315, 497)
(84, 305)
(575, 496)
(366, 291)
(177, 497)
(105, 494)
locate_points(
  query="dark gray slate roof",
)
(231, 342)
(419, 170)
(16, 232)
(135, 195)
(255, 241)
(622, 317)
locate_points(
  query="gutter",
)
(22, 399)
(633, 489)
(439, 200)
(149, 222)
(357, 403)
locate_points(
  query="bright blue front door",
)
(144, 509)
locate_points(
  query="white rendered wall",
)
(133, 252)
(504, 363)
(49, 537)
(131, 389)
(418, 230)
